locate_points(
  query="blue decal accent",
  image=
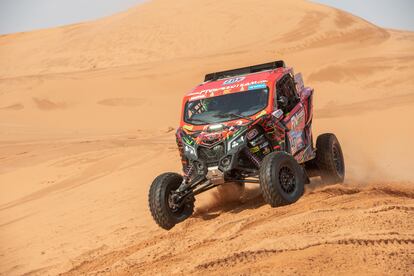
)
(256, 86)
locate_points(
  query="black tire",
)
(159, 194)
(329, 159)
(282, 179)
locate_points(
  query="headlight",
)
(190, 152)
(236, 142)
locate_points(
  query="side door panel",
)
(295, 121)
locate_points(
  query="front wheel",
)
(163, 209)
(282, 179)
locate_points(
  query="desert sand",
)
(87, 119)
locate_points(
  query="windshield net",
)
(229, 106)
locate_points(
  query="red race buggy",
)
(246, 125)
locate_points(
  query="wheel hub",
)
(287, 180)
(173, 201)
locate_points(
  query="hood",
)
(211, 143)
(215, 134)
(212, 134)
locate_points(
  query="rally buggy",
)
(247, 125)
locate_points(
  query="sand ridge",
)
(87, 118)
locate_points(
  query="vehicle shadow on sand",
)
(230, 201)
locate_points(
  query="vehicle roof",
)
(234, 84)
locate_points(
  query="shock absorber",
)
(255, 159)
(186, 178)
(189, 172)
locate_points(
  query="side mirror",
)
(282, 101)
(277, 114)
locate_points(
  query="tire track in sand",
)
(248, 256)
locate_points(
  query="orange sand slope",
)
(87, 114)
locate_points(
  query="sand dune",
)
(87, 114)
(253, 242)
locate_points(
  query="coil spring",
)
(256, 160)
(189, 172)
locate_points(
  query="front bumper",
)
(215, 175)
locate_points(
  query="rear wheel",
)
(164, 209)
(281, 179)
(329, 159)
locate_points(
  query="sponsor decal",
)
(256, 86)
(297, 118)
(187, 127)
(212, 137)
(234, 80)
(261, 114)
(264, 145)
(296, 141)
(252, 133)
(197, 97)
(188, 141)
(266, 151)
(242, 86)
